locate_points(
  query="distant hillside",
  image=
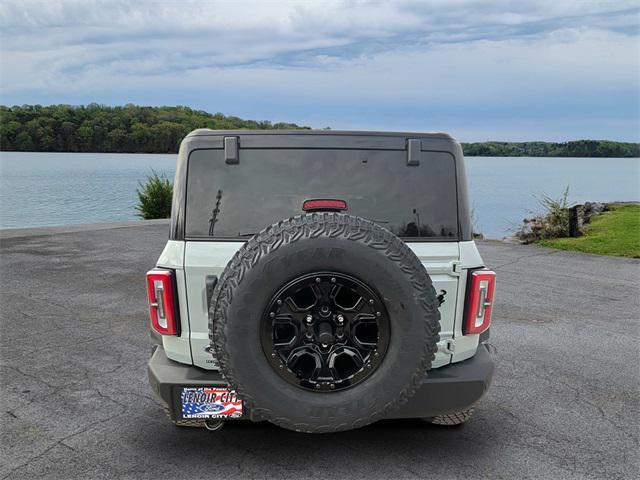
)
(135, 129)
(97, 128)
(577, 148)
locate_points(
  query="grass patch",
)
(616, 232)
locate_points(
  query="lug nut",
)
(317, 279)
(333, 280)
(371, 301)
(279, 302)
(272, 314)
(309, 319)
(378, 314)
(340, 319)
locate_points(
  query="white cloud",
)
(190, 34)
(420, 56)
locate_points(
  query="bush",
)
(154, 197)
(553, 223)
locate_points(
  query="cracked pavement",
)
(76, 403)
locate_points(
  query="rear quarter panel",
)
(177, 348)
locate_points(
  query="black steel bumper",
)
(445, 390)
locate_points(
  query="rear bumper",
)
(452, 388)
(445, 390)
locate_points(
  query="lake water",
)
(38, 189)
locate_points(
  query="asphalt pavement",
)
(76, 403)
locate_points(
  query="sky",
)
(480, 70)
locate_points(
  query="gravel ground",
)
(76, 403)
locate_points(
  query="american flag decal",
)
(210, 402)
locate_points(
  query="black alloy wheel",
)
(325, 331)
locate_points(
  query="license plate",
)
(210, 402)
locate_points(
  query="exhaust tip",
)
(213, 425)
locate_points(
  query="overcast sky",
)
(501, 70)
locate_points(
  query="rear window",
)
(237, 201)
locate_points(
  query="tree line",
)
(136, 129)
(99, 128)
(577, 148)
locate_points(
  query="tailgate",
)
(209, 258)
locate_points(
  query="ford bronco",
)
(321, 281)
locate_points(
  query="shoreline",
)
(7, 233)
(466, 155)
(44, 230)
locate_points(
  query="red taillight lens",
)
(163, 307)
(480, 289)
(324, 204)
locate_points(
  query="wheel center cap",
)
(325, 333)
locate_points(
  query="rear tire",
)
(452, 419)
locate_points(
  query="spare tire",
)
(324, 322)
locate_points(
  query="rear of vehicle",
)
(326, 300)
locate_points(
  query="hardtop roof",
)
(324, 139)
(377, 133)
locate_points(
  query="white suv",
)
(320, 280)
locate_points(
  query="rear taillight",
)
(163, 307)
(479, 304)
